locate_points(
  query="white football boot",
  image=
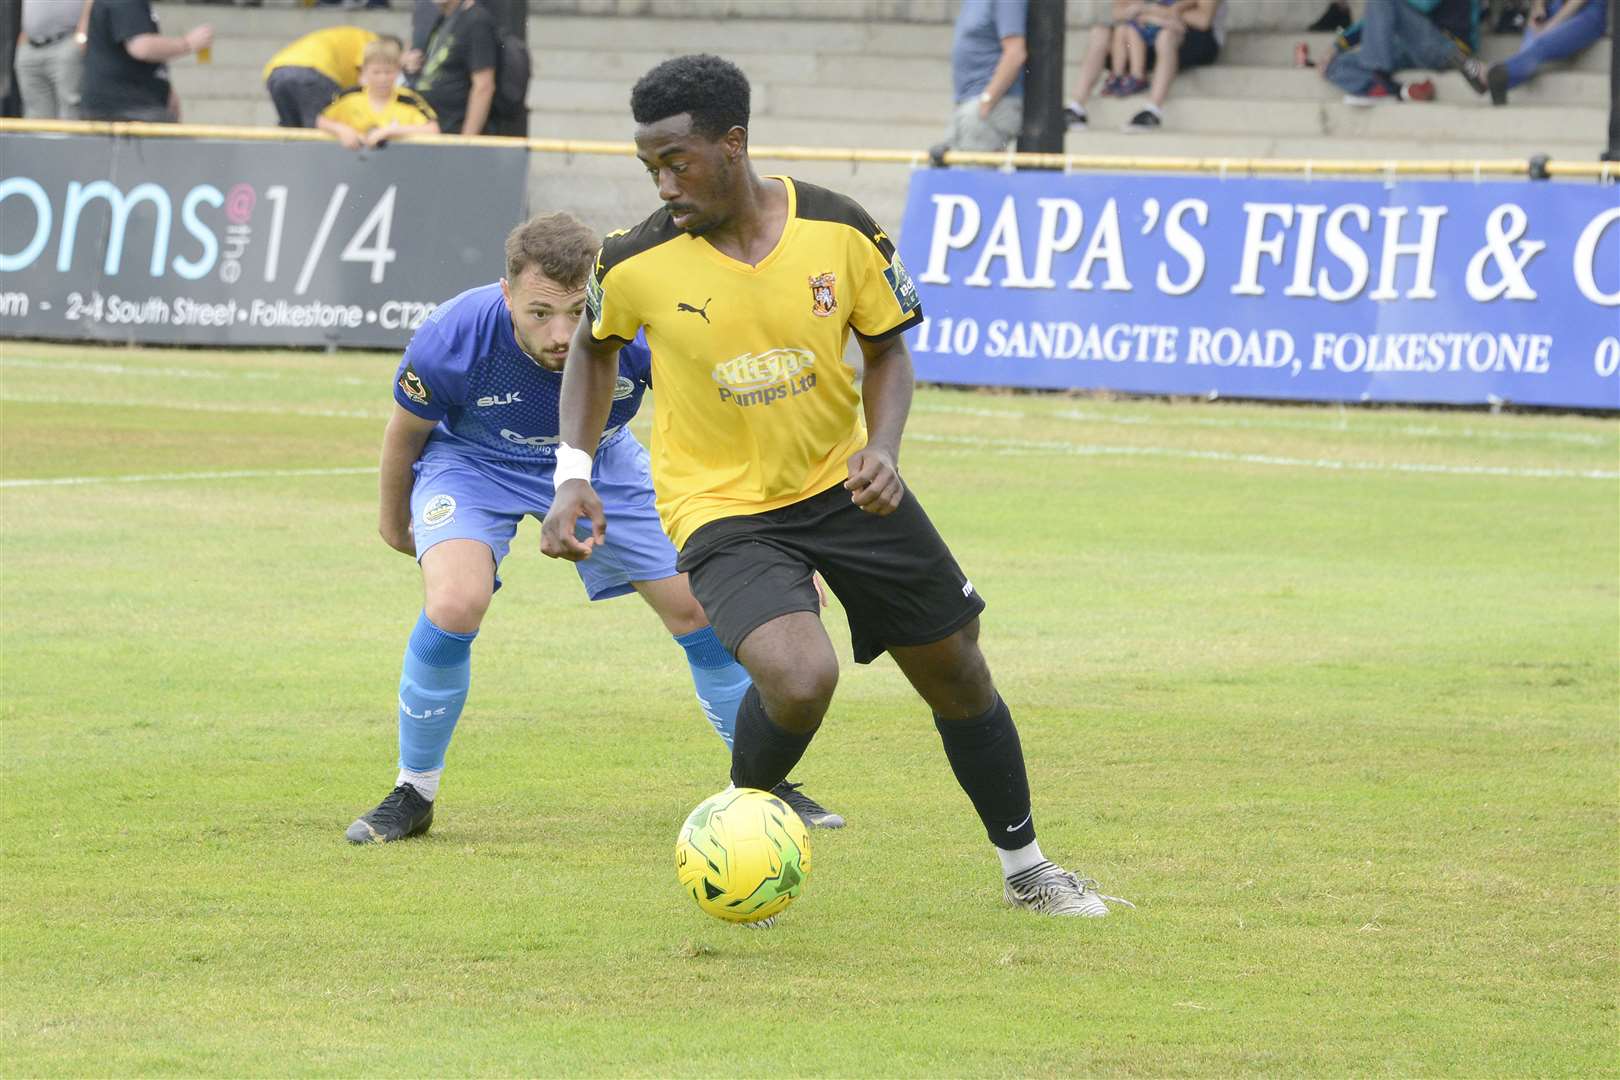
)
(1051, 890)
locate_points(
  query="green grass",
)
(1343, 728)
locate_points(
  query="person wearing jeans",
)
(1436, 35)
(1557, 30)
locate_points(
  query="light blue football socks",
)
(437, 674)
(432, 690)
(721, 682)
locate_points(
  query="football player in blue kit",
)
(468, 452)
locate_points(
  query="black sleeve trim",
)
(416, 101)
(817, 203)
(656, 229)
(916, 317)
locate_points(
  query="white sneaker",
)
(1051, 890)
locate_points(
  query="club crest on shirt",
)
(823, 300)
(623, 388)
(414, 388)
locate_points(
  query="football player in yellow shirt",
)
(747, 288)
(378, 109)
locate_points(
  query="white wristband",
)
(572, 464)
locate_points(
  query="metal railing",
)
(1538, 167)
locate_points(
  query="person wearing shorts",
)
(1165, 37)
(746, 289)
(469, 452)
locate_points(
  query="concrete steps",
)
(285, 17)
(911, 84)
(876, 74)
(1199, 127)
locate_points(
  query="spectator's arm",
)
(1569, 8)
(1198, 14)
(1127, 10)
(478, 101)
(1014, 52)
(157, 49)
(378, 136)
(346, 135)
(1161, 16)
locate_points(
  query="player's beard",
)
(539, 356)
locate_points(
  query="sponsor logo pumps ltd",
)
(765, 378)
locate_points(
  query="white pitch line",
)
(1003, 446)
(1032, 447)
(179, 373)
(1341, 425)
(146, 478)
(194, 406)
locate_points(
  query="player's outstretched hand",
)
(874, 482)
(576, 499)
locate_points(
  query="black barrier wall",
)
(224, 242)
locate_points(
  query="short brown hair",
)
(558, 244)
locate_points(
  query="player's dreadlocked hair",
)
(713, 90)
(559, 245)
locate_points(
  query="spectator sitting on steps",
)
(1167, 36)
(1396, 35)
(1555, 31)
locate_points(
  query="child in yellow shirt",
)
(378, 110)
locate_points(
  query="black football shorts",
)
(897, 580)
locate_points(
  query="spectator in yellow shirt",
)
(378, 109)
(304, 77)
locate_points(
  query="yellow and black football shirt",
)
(353, 107)
(754, 407)
(334, 52)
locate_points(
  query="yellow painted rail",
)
(1303, 167)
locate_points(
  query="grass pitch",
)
(1332, 695)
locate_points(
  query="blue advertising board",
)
(1445, 291)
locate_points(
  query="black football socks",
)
(988, 761)
(763, 754)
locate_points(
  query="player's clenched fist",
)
(874, 482)
(575, 499)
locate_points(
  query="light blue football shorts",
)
(460, 497)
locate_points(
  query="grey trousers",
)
(993, 133)
(49, 79)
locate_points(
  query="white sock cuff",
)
(426, 783)
(1020, 859)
